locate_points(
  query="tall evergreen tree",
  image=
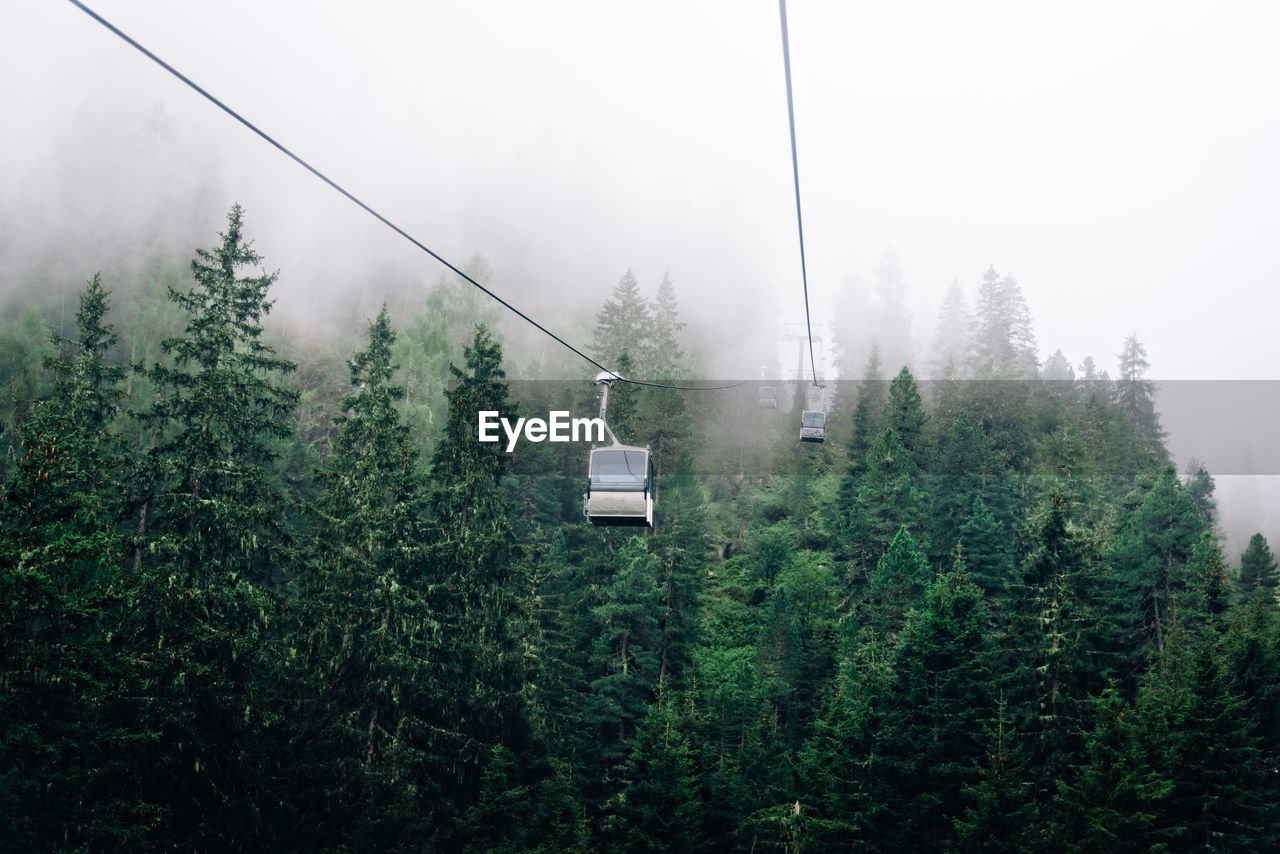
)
(662, 805)
(1138, 438)
(219, 408)
(666, 328)
(196, 616)
(867, 412)
(892, 316)
(1196, 729)
(1052, 646)
(1257, 568)
(888, 497)
(1149, 562)
(625, 323)
(371, 765)
(904, 414)
(625, 662)
(1005, 344)
(953, 338)
(930, 736)
(475, 572)
(59, 510)
(984, 544)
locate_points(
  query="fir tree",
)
(1150, 564)
(930, 736)
(1051, 647)
(195, 615)
(867, 413)
(370, 673)
(888, 496)
(662, 804)
(625, 660)
(1005, 344)
(953, 338)
(218, 410)
(904, 414)
(59, 510)
(1257, 568)
(1137, 437)
(475, 572)
(666, 328)
(625, 323)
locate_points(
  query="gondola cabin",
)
(620, 487)
(813, 426)
(768, 397)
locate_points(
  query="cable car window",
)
(619, 468)
(813, 419)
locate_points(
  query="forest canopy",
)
(268, 591)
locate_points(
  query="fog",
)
(1117, 159)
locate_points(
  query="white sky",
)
(1119, 158)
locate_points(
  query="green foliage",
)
(216, 413)
(1150, 560)
(662, 807)
(22, 382)
(60, 506)
(231, 622)
(1257, 568)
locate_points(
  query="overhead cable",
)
(382, 219)
(795, 170)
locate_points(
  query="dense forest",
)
(261, 592)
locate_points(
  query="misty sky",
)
(1117, 158)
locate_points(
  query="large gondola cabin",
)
(620, 487)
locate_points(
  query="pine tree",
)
(370, 676)
(888, 497)
(867, 413)
(1197, 731)
(1257, 568)
(1005, 344)
(899, 580)
(1149, 565)
(904, 414)
(21, 378)
(662, 804)
(892, 317)
(62, 501)
(1138, 437)
(218, 412)
(625, 662)
(60, 546)
(967, 468)
(1200, 484)
(1111, 802)
(195, 618)
(1251, 660)
(666, 328)
(625, 323)
(953, 338)
(1051, 650)
(984, 545)
(680, 543)
(475, 572)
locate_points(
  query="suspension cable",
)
(795, 170)
(382, 219)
